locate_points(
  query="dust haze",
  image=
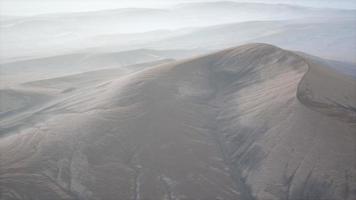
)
(177, 100)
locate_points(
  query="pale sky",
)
(34, 7)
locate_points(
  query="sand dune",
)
(61, 65)
(87, 79)
(20, 102)
(252, 122)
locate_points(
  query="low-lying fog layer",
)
(36, 7)
(180, 102)
(52, 34)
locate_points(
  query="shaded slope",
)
(336, 88)
(223, 126)
(13, 101)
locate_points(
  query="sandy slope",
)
(223, 126)
(20, 102)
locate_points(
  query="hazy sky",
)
(33, 7)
